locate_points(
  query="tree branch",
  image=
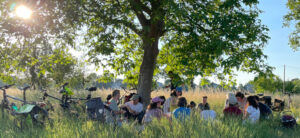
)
(126, 23)
(136, 5)
(143, 7)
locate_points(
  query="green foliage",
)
(265, 83)
(293, 17)
(197, 37)
(59, 65)
(25, 43)
(274, 84)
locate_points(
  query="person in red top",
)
(232, 109)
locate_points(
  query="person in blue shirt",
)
(182, 112)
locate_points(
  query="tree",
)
(201, 36)
(267, 83)
(197, 37)
(59, 65)
(293, 16)
(32, 38)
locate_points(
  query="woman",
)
(252, 113)
(154, 110)
(171, 103)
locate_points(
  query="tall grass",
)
(72, 126)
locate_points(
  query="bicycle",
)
(38, 115)
(66, 101)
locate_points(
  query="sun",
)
(23, 12)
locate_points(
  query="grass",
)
(70, 126)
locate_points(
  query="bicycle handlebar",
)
(6, 86)
(65, 84)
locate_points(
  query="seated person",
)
(182, 112)
(154, 110)
(207, 114)
(242, 101)
(265, 111)
(232, 108)
(108, 98)
(171, 103)
(192, 105)
(113, 116)
(134, 109)
(163, 98)
(204, 104)
(252, 113)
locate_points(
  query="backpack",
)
(288, 121)
(95, 109)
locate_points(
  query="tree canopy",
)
(144, 38)
(294, 17)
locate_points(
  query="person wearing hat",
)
(134, 109)
(153, 110)
(232, 109)
(204, 104)
(171, 103)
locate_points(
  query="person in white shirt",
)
(134, 109)
(252, 113)
(208, 114)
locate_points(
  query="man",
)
(242, 101)
(265, 111)
(113, 116)
(204, 104)
(134, 109)
(175, 80)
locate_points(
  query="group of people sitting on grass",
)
(176, 107)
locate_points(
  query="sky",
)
(278, 51)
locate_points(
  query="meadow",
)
(72, 126)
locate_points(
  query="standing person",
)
(232, 109)
(265, 111)
(182, 112)
(252, 113)
(242, 101)
(134, 109)
(171, 103)
(113, 116)
(204, 104)
(175, 80)
(154, 110)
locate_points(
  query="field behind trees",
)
(68, 126)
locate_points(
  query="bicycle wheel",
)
(39, 116)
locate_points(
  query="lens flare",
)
(23, 12)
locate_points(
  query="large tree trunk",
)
(147, 69)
